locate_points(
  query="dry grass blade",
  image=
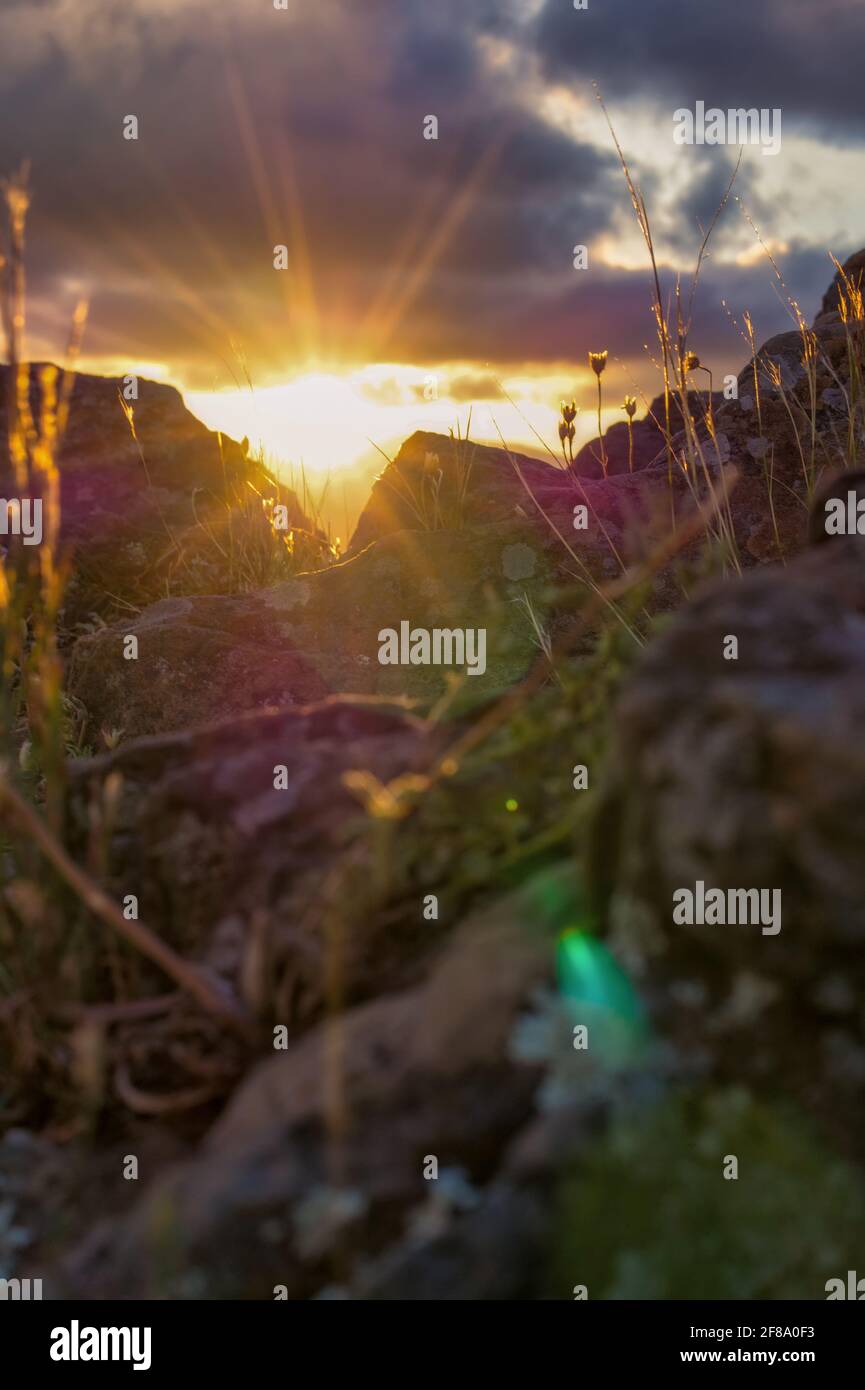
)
(144, 1103)
(189, 977)
(692, 527)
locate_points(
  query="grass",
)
(64, 942)
(31, 580)
(436, 496)
(821, 444)
(251, 533)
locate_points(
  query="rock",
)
(440, 480)
(748, 773)
(496, 1252)
(317, 1164)
(835, 487)
(198, 660)
(494, 485)
(205, 658)
(854, 270)
(148, 512)
(214, 851)
(648, 436)
(765, 433)
(745, 772)
(178, 450)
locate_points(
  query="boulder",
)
(745, 771)
(854, 272)
(648, 437)
(154, 511)
(766, 434)
(465, 485)
(748, 773)
(318, 1162)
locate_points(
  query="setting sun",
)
(343, 424)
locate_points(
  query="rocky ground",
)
(400, 1110)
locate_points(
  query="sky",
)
(424, 278)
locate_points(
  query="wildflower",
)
(597, 362)
(692, 363)
(567, 431)
(629, 405)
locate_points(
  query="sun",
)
(327, 422)
(308, 422)
(330, 423)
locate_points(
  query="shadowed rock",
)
(854, 271)
(208, 842)
(766, 434)
(287, 1185)
(750, 772)
(145, 511)
(836, 488)
(648, 436)
(479, 485)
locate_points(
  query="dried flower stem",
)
(188, 976)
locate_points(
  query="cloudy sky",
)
(413, 261)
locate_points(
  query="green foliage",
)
(648, 1213)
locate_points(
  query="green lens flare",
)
(588, 974)
(600, 995)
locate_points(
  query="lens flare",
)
(600, 995)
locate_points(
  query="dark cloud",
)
(302, 128)
(260, 127)
(433, 64)
(702, 205)
(608, 308)
(792, 54)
